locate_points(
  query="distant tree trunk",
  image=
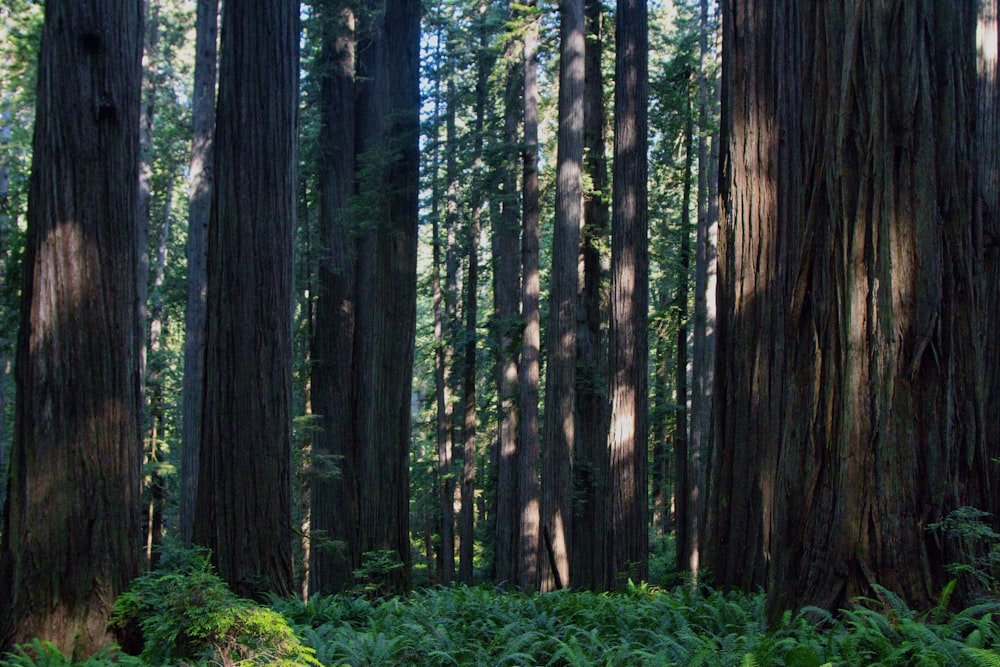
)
(244, 490)
(528, 374)
(590, 460)
(849, 397)
(505, 323)
(682, 470)
(442, 354)
(446, 353)
(154, 384)
(333, 482)
(558, 433)
(200, 178)
(484, 64)
(387, 111)
(703, 321)
(628, 536)
(988, 145)
(72, 522)
(147, 120)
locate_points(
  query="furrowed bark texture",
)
(988, 145)
(849, 403)
(335, 555)
(244, 488)
(200, 179)
(559, 426)
(529, 374)
(388, 104)
(590, 454)
(71, 537)
(506, 322)
(628, 536)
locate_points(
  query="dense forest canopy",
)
(547, 295)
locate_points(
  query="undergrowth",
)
(182, 614)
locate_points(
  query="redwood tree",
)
(334, 553)
(243, 509)
(200, 177)
(560, 370)
(70, 542)
(388, 163)
(849, 401)
(628, 539)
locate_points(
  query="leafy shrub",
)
(184, 611)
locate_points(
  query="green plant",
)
(38, 653)
(184, 611)
(374, 577)
(967, 531)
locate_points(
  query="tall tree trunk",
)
(154, 387)
(529, 532)
(682, 470)
(590, 461)
(484, 63)
(850, 399)
(628, 536)
(147, 121)
(72, 519)
(387, 112)
(558, 434)
(446, 353)
(505, 322)
(988, 144)
(333, 482)
(243, 511)
(442, 394)
(200, 178)
(703, 321)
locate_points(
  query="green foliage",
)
(45, 654)
(967, 532)
(184, 611)
(686, 626)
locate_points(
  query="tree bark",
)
(559, 425)
(72, 519)
(529, 373)
(243, 511)
(703, 320)
(627, 442)
(333, 480)
(988, 213)
(200, 178)
(506, 320)
(682, 457)
(590, 461)
(387, 113)
(850, 394)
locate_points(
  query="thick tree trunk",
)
(243, 511)
(72, 520)
(333, 486)
(628, 536)
(200, 178)
(559, 426)
(529, 373)
(590, 460)
(850, 397)
(387, 112)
